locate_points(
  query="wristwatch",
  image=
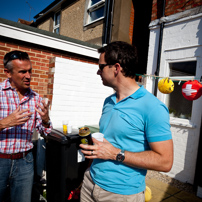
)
(120, 156)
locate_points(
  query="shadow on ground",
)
(170, 190)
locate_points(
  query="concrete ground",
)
(164, 192)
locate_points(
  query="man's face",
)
(107, 73)
(20, 76)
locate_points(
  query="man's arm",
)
(159, 158)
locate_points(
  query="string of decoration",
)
(173, 79)
(191, 88)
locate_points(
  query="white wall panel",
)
(78, 93)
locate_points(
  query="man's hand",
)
(16, 118)
(100, 150)
(44, 112)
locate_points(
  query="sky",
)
(24, 9)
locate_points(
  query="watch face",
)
(120, 157)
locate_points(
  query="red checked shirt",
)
(19, 138)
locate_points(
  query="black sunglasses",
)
(17, 55)
(101, 66)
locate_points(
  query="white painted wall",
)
(152, 57)
(182, 41)
(78, 93)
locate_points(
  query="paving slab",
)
(172, 199)
(157, 194)
(164, 192)
(162, 186)
(187, 197)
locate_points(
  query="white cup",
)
(46, 100)
(98, 136)
(69, 128)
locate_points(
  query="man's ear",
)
(7, 72)
(118, 68)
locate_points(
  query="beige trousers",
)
(90, 192)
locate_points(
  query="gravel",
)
(173, 182)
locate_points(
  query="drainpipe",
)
(159, 49)
(198, 176)
(108, 22)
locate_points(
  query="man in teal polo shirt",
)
(136, 130)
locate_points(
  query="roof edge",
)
(44, 34)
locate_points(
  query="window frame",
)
(163, 97)
(55, 27)
(89, 9)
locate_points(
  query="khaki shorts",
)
(90, 192)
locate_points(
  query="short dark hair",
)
(122, 53)
(13, 55)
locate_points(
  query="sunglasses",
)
(17, 55)
(101, 66)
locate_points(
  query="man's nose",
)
(28, 75)
(98, 72)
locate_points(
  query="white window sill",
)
(182, 123)
(97, 20)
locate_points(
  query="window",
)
(95, 11)
(56, 25)
(179, 106)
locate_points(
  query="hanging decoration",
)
(192, 90)
(166, 85)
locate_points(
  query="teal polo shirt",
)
(129, 125)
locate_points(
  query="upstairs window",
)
(56, 25)
(95, 11)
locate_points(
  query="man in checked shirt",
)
(21, 111)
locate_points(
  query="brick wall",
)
(41, 58)
(131, 26)
(172, 7)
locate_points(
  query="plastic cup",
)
(98, 136)
(69, 128)
(46, 100)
